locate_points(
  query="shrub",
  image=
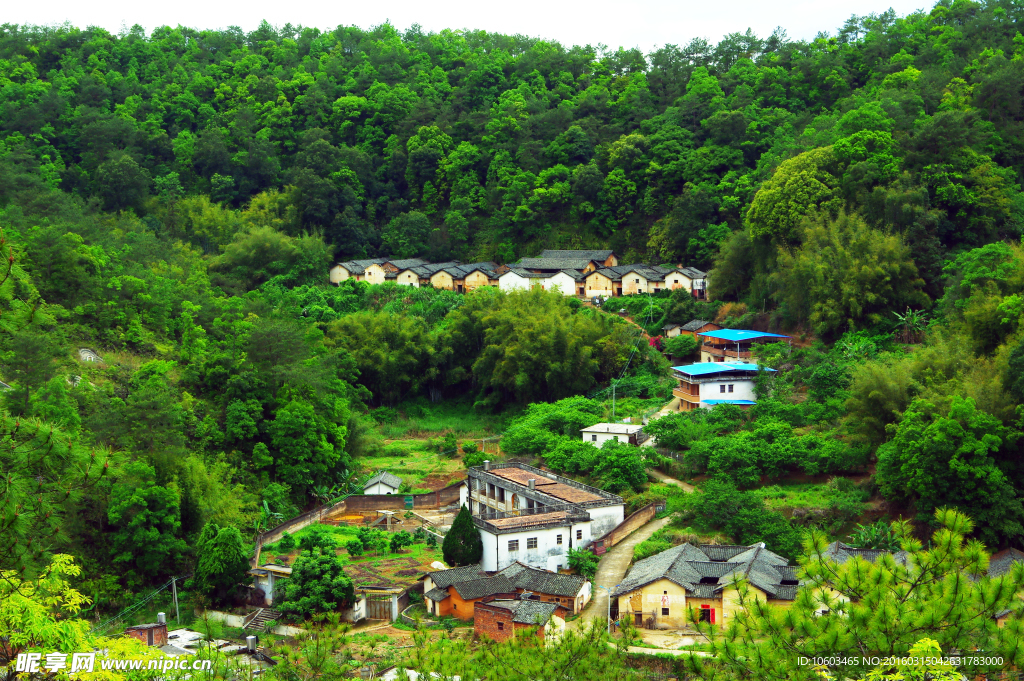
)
(354, 548)
(683, 345)
(474, 459)
(287, 542)
(469, 446)
(583, 562)
(317, 584)
(650, 547)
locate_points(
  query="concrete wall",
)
(375, 274)
(743, 389)
(379, 488)
(598, 439)
(408, 278)
(379, 502)
(603, 520)
(625, 528)
(548, 555)
(564, 283)
(513, 282)
(338, 274)
(676, 280)
(475, 280)
(599, 285)
(442, 280)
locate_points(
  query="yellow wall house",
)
(658, 592)
(601, 283)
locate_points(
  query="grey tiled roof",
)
(706, 569)
(692, 272)
(425, 271)
(554, 263)
(695, 324)
(526, 274)
(389, 479)
(443, 579)
(407, 263)
(1000, 563)
(543, 582)
(577, 255)
(840, 553)
(575, 274)
(359, 266)
(527, 612)
(487, 586)
(608, 272)
(436, 595)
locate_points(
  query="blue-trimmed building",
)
(733, 345)
(706, 384)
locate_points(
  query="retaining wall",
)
(635, 521)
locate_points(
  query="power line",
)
(130, 609)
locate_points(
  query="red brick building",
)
(154, 634)
(502, 619)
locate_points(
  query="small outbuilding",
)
(628, 433)
(383, 483)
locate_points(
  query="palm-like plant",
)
(914, 323)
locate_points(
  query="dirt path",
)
(658, 476)
(613, 568)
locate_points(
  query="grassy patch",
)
(422, 418)
(796, 495)
(412, 461)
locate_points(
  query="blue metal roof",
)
(736, 402)
(706, 368)
(740, 334)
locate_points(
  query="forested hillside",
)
(173, 202)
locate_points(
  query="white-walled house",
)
(569, 282)
(534, 516)
(382, 483)
(628, 433)
(706, 384)
(518, 279)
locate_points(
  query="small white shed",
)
(382, 483)
(627, 433)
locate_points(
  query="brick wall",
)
(463, 609)
(486, 622)
(626, 527)
(142, 633)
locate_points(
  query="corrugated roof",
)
(739, 403)
(740, 334)
(709, 368)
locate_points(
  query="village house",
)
(732, 344)
(502, 619)
(690, 278)
(534, 516)
(354, 269)
(382, 483)
(153, 634)
(266, 578)
(628, 433)
(691, 328)
(453, 592)
(706, 384)
(603, 283)
(464, 278)
(602, 258)
(378, 273)
(658, 592)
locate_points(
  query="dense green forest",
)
(174, 202)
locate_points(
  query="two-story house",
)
(706, 384)
(733, 345)
(534, 516)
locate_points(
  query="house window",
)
(501, 490)
(721, 388)
(558, 539)
(455, 606)
(730, 387)
(513, 545)
(501, 626)
(593, 438)
(579, 534)
(664, 612)
(531, 542)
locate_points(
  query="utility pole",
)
(174, 590)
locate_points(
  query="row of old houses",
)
(573, 273)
